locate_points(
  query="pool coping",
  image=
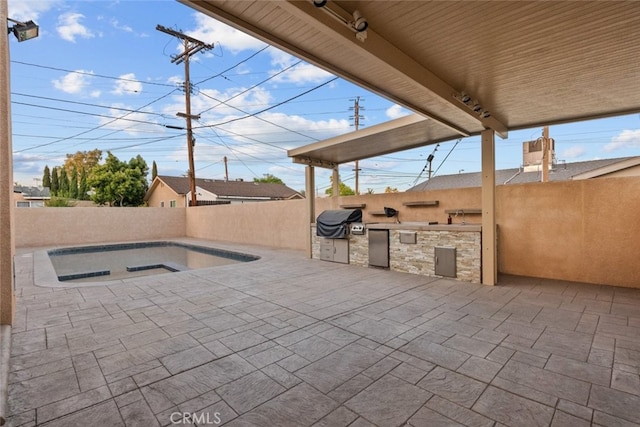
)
(44, 274)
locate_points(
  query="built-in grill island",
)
(333, 227)
(443, 250)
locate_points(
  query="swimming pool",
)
(126, 260)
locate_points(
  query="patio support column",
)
(7, 237)
(489, 250)
(310, 194)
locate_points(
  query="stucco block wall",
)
(279, 224)
(462, 198)
(586, 230)
(65, 226)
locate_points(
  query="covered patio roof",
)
(400, 134)
(516, 64)
(464, 67)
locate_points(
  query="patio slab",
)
(288, 341)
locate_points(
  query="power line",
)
(250, 88)
(92, 129)
(85, 104)
(85, 73)
(234, 66)
(269, 108)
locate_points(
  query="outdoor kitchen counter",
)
(412, 247)
(420, 226)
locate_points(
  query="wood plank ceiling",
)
(527, 63)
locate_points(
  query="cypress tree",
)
(46, 177)
(82, 187)
(55, 185)
(63, 182)
(73, 184)
(154, 171)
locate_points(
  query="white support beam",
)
(390, 56)
(310, 194)
(489, 244)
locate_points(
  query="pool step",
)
(171, 266)
(83, 275)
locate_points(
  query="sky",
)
(101, 76)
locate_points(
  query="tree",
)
(73, 184)
(59, 202)
(370, 191)
(83, 188)
(270, 179)
(118, 183)
(390, 190)
(55, 184)
(63, 183)
(345, 190)
(83, 160)
(154, 170)
(46, 177)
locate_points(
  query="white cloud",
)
(22, 10)
(208, 101)
(222, 36)
(625, 139)
(122, 27)
(302, 73)
(396, 111)
(126, 85)
(73, 83)
(573, 152)
(131, 123)
(69, 27)
(316, 130)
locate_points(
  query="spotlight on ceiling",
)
(477, 108)
(360, 24)
(465, 98)
(23, 30)
(485, 114)
(319, 3)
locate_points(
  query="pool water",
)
(120, 261)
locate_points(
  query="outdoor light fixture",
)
(360, 24)
(472, 105)
(356, 22)
(23, 30)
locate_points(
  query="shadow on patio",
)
(288, 341)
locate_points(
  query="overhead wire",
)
(86, 73)
(269, 108)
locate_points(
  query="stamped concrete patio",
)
(287, 341)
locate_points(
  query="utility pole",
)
(191, 47)
(226, 170)
(356, 122)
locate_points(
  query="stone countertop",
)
(422, 226)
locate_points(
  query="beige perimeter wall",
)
(280, 223)
(64, 226)
(586, 230)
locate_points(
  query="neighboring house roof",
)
(32, 192)
(229, 189)
(560, 172)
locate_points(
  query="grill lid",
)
(333, 223)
